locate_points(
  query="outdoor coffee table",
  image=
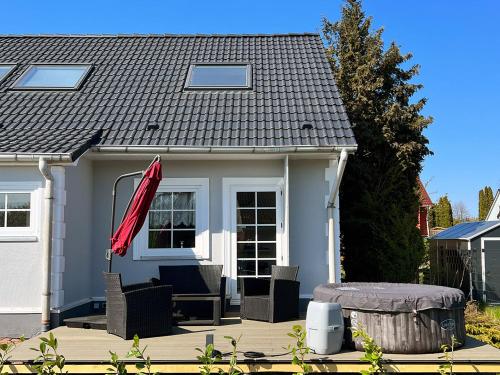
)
(216, 302)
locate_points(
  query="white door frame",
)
(229, 188)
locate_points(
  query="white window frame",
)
(230, 186)
(200, 186)
(31, 233)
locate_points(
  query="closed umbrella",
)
(137, 209)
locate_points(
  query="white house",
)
(494, 212)
(253, 137)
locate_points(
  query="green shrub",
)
(373, 352)
(299, 349)
(482, 326)
(48, 361)
(5, 349)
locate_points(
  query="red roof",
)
(425, 200)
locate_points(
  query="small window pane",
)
(267, 250)
(2, 200)
(18, 201)
(184, 220)
(245, 233)
(2, 219)
(246, 216)
(265, 267)
(160, 239)
(184, 238)
(246, 250)
(246, 267)
(4, 70)
(219, 76)
(266, 199)
(266, 216)
(162, 201)
(160, 220)
(245, 199)
(266, 233)
(18, 219)
(183, 201)
(55, 76)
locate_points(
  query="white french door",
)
(255, 229)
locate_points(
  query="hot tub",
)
(401, 318)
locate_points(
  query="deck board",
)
(83, 346)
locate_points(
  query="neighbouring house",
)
(494, 212)
(467, 256)
(423, 210)
(253, 138)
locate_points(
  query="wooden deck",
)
(87, 351)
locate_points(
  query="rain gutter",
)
(220, 150)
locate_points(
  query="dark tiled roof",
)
(35, 140)
(138, 81)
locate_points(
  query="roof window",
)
(217, 76)
(53, 77)
(5, 69)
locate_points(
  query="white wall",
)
(104, 176)
(20, 262)
(308, 218)
(87, 218)
(494, 213)
(77, 248)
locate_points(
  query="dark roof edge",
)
(155, 35)
(96, 137)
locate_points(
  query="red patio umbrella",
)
(137, 209)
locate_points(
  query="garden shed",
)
(467, 256)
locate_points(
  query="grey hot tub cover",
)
(390, 297)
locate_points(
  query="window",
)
(19, 213)
(5, 69)
(219, 76)
(15, 210)
(177, 223)
(55, 77)
(172, 220)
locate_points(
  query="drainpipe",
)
(333, 249)
(44, 167)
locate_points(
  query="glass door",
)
(257, 234)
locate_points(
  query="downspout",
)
(44, 167)
(333, 254)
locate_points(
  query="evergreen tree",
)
(485, 201)
(481, 213)
(379, 196)
(443, 212)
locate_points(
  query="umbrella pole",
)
(109, 252)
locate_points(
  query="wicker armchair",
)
(273, 300)
(140, 309)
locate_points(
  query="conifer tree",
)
(444, 212)
(481, 213)
(485, 201)
(379, 196)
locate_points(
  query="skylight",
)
(53, 77)
(5, 69)
(219, 76)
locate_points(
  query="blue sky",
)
(456, 42)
